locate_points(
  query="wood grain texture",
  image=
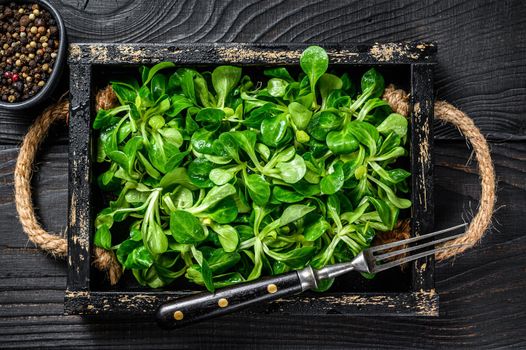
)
(480, 57)
(482, 298)
(481, 70)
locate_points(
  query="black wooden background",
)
(481, 69)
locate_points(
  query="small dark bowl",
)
(53, 80)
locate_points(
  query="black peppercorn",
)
(28, 48)
(19, 86)
(24, 20)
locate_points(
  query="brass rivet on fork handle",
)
(272, 288)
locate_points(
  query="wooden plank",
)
(420, 303)
(484, 79)
(14, 125)
(79, 181)
(481, 291)
(249, 54)
(422, 210)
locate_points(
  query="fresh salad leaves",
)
(221, 179)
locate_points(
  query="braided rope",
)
(56, 245)
(399, 102)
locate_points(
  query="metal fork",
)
(202, 306)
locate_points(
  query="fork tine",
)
(382, 267)
(416, 247)
(413, 239)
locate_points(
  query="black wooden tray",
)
(409, 65)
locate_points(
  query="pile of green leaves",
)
(222, 180)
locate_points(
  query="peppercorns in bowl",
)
(32, 52)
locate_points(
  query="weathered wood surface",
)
(481, 55)
(481, 48)
(482, 292)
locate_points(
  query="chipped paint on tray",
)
(82, 57)
(233, 54)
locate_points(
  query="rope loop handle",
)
(399, 102)
(56, 245)
(106, 261)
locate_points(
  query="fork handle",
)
(203, 306)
